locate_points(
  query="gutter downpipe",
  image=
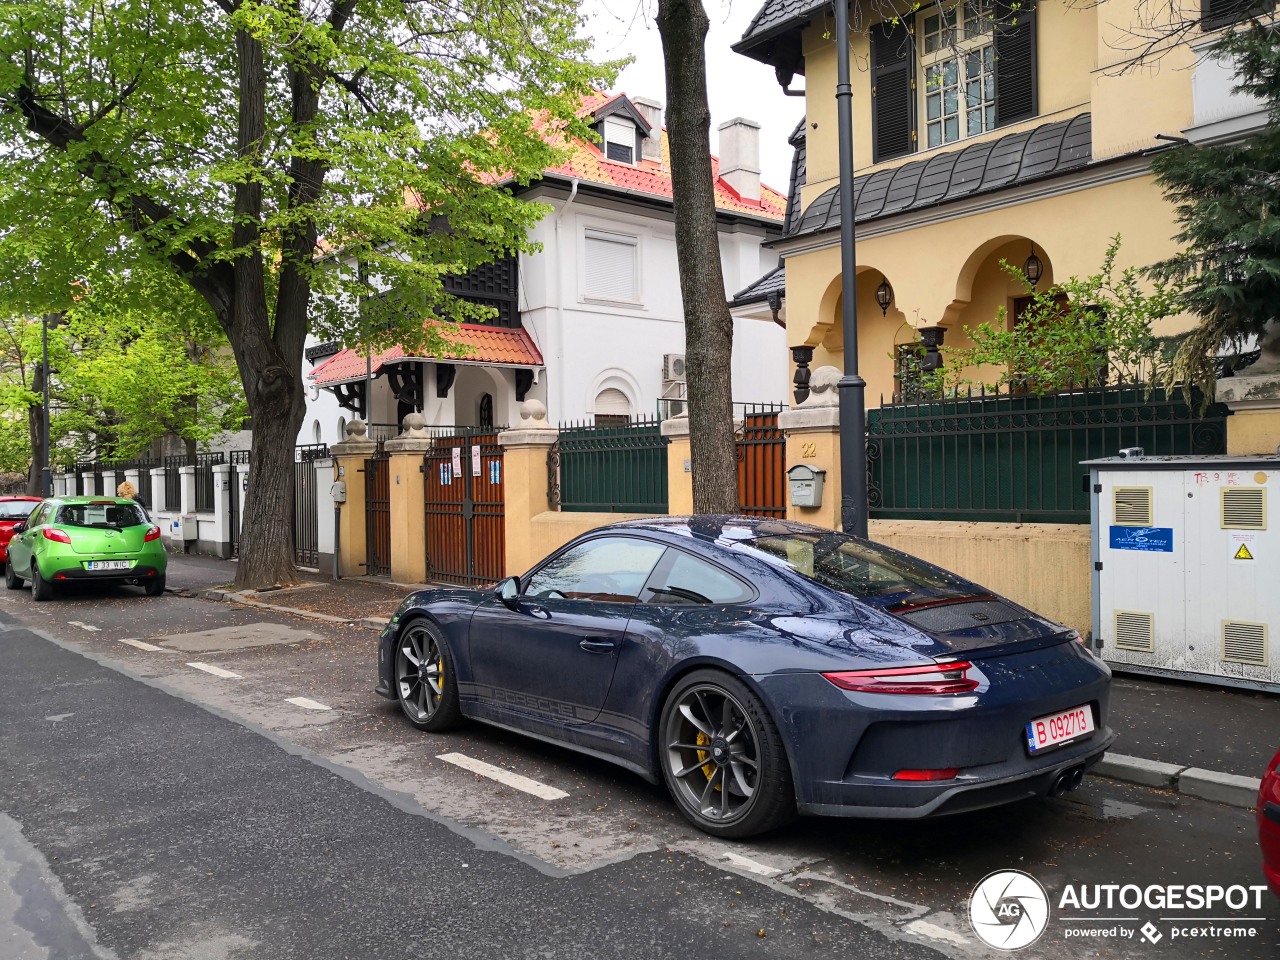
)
(852, 388)
(556, 335)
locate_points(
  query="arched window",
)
(342, 428)
(612, 408)
(316, 435)
(486, 410)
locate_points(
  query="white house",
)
(593, 324)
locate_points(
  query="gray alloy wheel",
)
(723, 759)
(424, 677)
(41, 589)
(11, 579)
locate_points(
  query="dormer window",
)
(619, 137)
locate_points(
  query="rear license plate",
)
(108, 564)
(1059, 728)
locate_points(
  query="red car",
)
(13, 510)
(1269, 824)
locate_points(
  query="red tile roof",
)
(495, 345)
(588, 163)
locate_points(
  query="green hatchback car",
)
(83, 539)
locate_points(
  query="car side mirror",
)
(508, 591)
(19, 526)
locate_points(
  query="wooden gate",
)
(463, 483)
(762, 464)
(377, 508)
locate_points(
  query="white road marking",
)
(141, 646)
(84, 626)
(752, 866)
(307, 703)
(216, 671)
(513, 780)
(935, 932)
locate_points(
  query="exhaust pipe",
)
(1067, 781)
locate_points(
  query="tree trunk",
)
(708, 327)
(35, 427)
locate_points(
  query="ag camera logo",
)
(1009, 910)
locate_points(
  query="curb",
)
(230, 596)
(1228, 788)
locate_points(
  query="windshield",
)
(113, 516)
(860, 569)
(17, 509)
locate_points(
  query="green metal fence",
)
(1016, 457)
(610, 469)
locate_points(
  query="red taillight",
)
(929, 679)
(53, 533)
(921, 775)
(152, 534)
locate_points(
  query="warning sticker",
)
(1243, 553)
(1243, 547)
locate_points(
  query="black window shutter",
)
(893, 98)
(1220, 13)
(1015, 61)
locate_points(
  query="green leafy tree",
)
(1085, 330)
(1228, 207)
(226, 137)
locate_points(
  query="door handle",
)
(598, 646)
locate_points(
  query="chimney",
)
(651, 146)
(740, 156)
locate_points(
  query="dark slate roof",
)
(799, 170)
(980, 168)
(777, 16)
(758, 292)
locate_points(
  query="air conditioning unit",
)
(1186, 558)
(673, 367)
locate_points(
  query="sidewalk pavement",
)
(1196, 739)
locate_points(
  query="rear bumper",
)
(79, 574)
(915, 801)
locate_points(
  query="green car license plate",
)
(108, 564)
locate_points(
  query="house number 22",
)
(808, 450)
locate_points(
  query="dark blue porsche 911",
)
(762, 668)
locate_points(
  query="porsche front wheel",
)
(426, 686)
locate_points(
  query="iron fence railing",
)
(143, 466)
(1016, 457)
(173, 481)
(611, 469)
(307, 452)
(205, 487)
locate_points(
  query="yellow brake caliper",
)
(704, 756)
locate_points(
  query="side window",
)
(607, 570)
(38, 516)
(682, 580)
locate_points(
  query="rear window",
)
(114, 516)
(861, 569)
(17, 509)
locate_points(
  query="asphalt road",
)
(150, 809)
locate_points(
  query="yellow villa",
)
(981, 133)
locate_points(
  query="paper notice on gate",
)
(457, 461)
(475, 460)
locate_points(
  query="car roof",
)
(89, 499)
(19, 496)
(717, 528)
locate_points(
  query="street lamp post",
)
(852, 388)
(46, 474)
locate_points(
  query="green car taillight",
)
(59, 536)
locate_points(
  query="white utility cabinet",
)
(1186, 567)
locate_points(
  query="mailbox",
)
(806, 485)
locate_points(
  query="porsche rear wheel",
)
(722, 757)
(425, 680)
